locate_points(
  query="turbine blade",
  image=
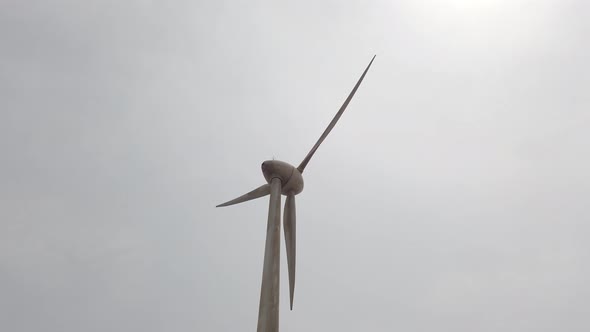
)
(289, 227)
(301, 166)
(268, 311)
(256, 193)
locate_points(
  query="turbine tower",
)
(282, 178)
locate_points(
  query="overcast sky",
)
(453, 195)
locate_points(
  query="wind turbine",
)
(282, 178)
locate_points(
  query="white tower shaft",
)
(268, 312)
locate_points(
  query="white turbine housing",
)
(291, 178)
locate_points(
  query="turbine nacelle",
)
(290, 176)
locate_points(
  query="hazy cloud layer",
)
(452, 195)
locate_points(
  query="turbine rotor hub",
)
(291, 179)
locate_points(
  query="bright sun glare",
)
(474, 5)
